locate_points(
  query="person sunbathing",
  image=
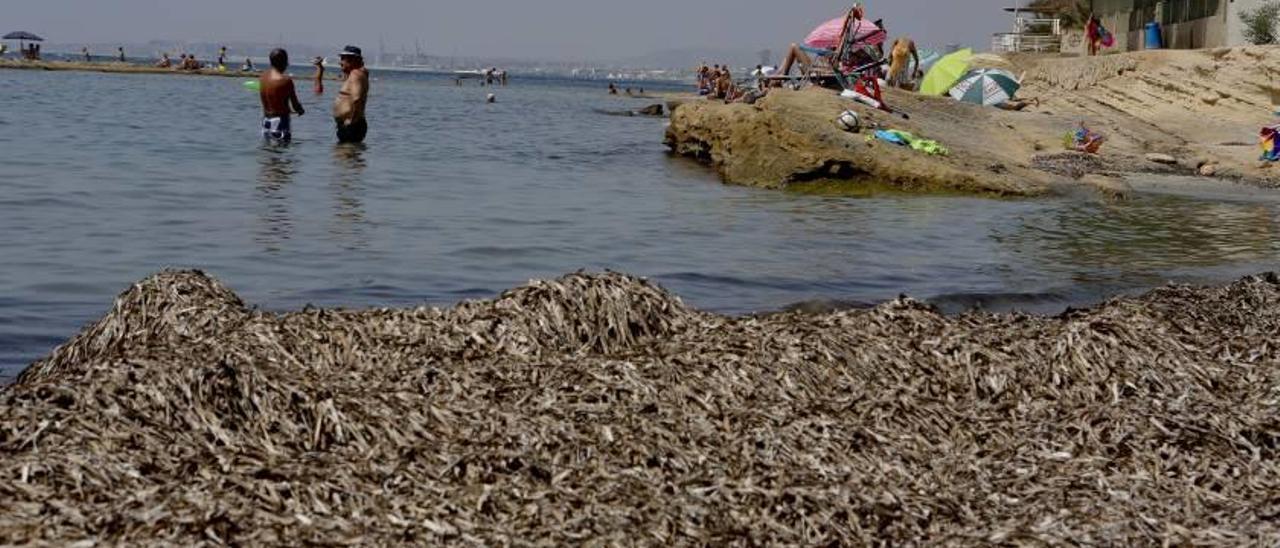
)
(724, 88)
(805, 55)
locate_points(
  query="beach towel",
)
(890, 137)
(903, 138)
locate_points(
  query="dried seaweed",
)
(600, 409)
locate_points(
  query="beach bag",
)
(1269, 139)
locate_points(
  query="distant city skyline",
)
(566, 30)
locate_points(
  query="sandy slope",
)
(1202, 106)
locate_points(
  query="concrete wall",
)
(1073, 42)
(1223, 29)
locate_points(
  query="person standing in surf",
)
(349, 107)
(277, 93)
(318, 62)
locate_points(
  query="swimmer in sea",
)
(318, 62)
(278, 94)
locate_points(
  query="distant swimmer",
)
(318, 62)
(348, 108)
(278, 94)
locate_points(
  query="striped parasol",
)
(986, 87)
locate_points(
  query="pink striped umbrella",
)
(827, 35)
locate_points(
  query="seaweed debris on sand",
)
(600, 408)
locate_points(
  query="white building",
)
(1185, 24)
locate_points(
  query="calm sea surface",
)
(106, 179)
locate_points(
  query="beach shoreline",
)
(1153, 120)
(117, 68)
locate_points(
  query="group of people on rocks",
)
(716, 82)
(900, 68)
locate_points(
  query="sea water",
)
(106, 179)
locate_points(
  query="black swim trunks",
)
(354, 132)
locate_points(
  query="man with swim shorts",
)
(348, 108)
(901, 71)
(278, 94)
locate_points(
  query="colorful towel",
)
(902, 138)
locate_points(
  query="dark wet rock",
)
(1069, 163)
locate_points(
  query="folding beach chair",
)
(858, 63)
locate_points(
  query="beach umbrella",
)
(827, 35)
(22, 36)
(986, 87)
(927, 58)
(946, 72)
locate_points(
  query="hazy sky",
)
(566, 29)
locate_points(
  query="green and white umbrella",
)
(986, 87)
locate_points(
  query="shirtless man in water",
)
(278, 94)
(348, 109)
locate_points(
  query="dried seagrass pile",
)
(599, 408)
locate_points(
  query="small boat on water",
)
(490, 76)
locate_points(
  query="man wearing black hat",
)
(348, 109)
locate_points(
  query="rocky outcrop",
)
(791, 138)
(1165, 112)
